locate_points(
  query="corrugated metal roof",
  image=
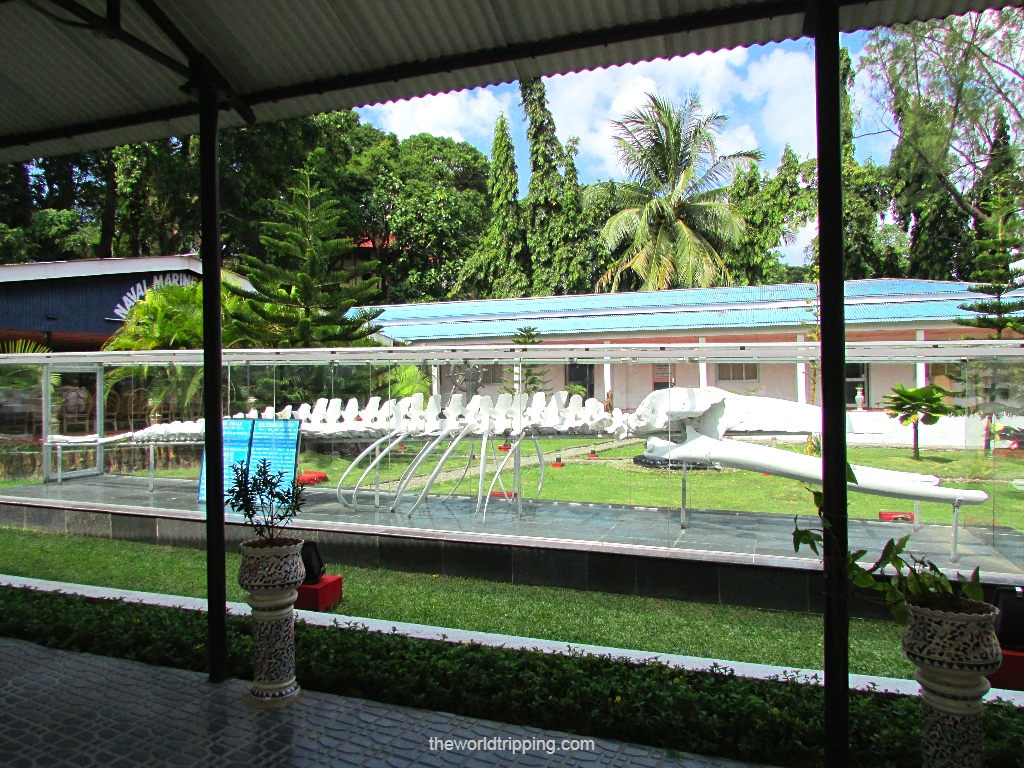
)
(287, 59)
(688, 310)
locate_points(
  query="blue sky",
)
(766, 91)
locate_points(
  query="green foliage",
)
(170, 317)
(775, 208)
(532, 378)
(24, 375)
(995, 279)
(51, 235)
(711, 713)
(679, 220)
(499, 266)
(543, 203)
(266, 502)
(924, 405)
(303, 297)
(403, 381)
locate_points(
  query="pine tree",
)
(995, 278)
(531, 377)
(499, 267)
(544, 201)
(581, 254)
(303, 296)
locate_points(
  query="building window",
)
(663, 378)
(737, 372)
(856, 378)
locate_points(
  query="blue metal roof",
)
(689, 310)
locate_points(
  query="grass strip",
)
(592, 618)
(777, 722)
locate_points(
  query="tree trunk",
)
(917, 449)
(105, 249)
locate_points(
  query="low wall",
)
(754, 581)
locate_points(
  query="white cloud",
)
(784, 81)
(768, 94)
(463, 116)
(737, 138)
(793, 253)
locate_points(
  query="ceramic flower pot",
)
(953, 652)
(271, 574)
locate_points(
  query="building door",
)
(856, 378)
(582, 375)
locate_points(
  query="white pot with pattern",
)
(953, 651)
(270, 572)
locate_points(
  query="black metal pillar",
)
(209, 186)
(833, 381)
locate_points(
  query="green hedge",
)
(774, 722)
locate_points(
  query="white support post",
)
(376, 481)
(435, 380)
(954, 553)
(703, 366)
(608, 390)
(922, 369)
(100, 416)
(801, 377)
(46, 409)
(152, 468)
(682, 503)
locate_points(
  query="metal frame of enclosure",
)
(93, 94)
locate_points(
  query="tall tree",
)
(304, 297)
(775, 207)
(680, 219)
(942, 84)
(872, 247)
(499, 266)
(544, 200)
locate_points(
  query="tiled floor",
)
(71, 709)
(752, 533)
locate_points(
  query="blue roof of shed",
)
(695, 309)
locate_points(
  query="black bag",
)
(1010, 622)
(313, 563)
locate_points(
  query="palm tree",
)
(924, 405)
(678, 218)
(169, 317)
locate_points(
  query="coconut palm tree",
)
(678, 218)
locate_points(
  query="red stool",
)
(1010, 675)
(320, 597)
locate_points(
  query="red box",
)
(320, 597)
(890, 517)
(1011, 674)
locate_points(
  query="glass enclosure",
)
(699, 447)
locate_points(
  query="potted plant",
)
(271, 571)
(950, 638)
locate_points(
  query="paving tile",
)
(63, 708)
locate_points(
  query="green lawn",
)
(669, 626)
(615, 479)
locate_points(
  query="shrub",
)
(778, 722)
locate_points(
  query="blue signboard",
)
(237, 440)
(278, 443)
(249, 441)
